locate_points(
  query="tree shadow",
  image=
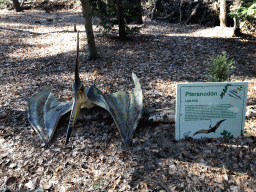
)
(164, 157)
(38, 18)
(154, 154)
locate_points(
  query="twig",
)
(181, 3)
(192, 14)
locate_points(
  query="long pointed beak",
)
(74, 114)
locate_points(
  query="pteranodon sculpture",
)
(44, 110)
(212, 129)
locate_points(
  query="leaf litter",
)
(38, 48)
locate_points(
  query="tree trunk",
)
(87, 12)
(122, 33)
(223, 13)
(181, 10)
(138, 9)
(153, 14)
(17, 6)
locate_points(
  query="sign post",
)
(210, 109)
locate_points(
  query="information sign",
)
(210, 109)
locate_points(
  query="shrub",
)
(245, 13)
(5, 2)
(221, 69)
(226, 134)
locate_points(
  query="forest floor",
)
(39, 48)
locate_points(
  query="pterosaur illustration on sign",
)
(211, 129)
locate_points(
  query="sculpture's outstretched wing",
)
(35, 106)
(126, 109)
(53, 110)
(44, 112)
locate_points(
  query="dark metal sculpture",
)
(126, 109)
(44, 112)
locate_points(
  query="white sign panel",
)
(210, 109)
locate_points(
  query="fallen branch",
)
(165, 115)
(192, 14)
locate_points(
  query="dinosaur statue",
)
(126, 109)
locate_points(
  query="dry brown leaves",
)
(38, 48)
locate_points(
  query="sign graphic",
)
(210, 109)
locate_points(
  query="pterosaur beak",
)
(79, 90)
(75, 112)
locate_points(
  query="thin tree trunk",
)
(122, 33)
(181, 10)
(139, 15)
(192, 14)
(17, 6)
(205, 12)
(223, 13)
(87, 12)
(153, 14)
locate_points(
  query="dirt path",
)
(38, 48)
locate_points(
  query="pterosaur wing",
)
(53, 110)
(44, 112)
(126, 109)
(35, 106)
(212, 129)
(217, 125)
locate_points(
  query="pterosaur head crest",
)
(77, 85)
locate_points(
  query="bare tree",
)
(87, 12)
(122, 33)
(223, 13)
(17, 6)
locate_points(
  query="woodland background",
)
(38, 47)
